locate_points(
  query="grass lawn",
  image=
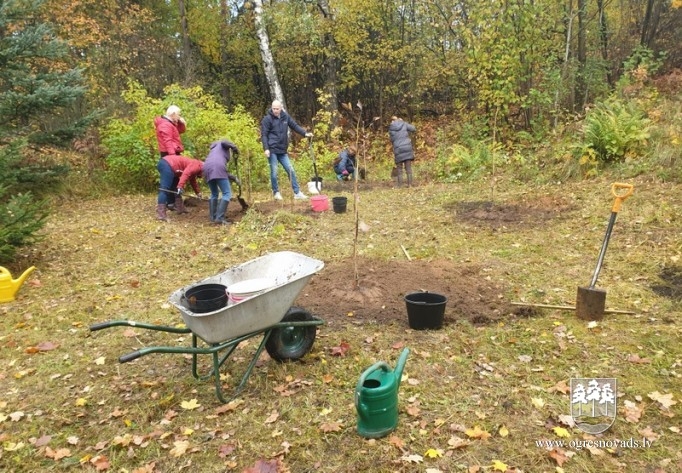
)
(490, 391)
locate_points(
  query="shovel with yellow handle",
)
(591, 303)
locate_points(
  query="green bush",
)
(614, 130)
(132, 150)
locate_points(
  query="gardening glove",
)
(309, 135)
(199, 196)
(344, 172)
(235, 179)
(180, 191)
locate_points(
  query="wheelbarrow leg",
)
(216, 370)
(195, 356)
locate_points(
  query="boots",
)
(161, 212)
(220, 212)
(180, 206)
(400, 176)
(212, 206)
(409, 178)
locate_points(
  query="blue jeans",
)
(222, 186)
(286, 164)
(166, 181)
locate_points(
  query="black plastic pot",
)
(425, 310)
(339, 204)
(206, 298)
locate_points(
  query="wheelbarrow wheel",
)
(292, 343)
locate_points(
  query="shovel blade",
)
(590, 303)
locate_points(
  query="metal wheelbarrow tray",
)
(288, 332)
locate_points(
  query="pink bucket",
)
(319, 203)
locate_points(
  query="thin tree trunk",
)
(186, 47)
(650, 23)
(581, 80)
(604, 38)
(266, 54)
(567, 53)
(330, 62)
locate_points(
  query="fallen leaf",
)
(100, 360)
(477, 433)
(538, 402)
(567, 420)
(503, 431)
(525, 358)
(225, 450)
(561, 387)
(414, 458)
(499, 466)
(412, 410)
(330, 427)
(636, 359)
(434, 453)
(190, 405)
(559, 456)
(561, 432)
(632, 411)
(458, 442)
(341, 350)
(396, 442)
(101, 462)
(148, 468)
(72, 440)
(80, 402)
(274, 415)
(16, 416)
(649, 434)
(57, 454)
(179, 448)
(665, 400)
(230, 406)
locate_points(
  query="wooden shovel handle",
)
(621, 192)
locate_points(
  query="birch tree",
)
(266, 54)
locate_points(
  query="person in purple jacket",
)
(218, 179)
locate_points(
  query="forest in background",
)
(530, 63)
(516, 82)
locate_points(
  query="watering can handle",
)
(378, 365)
(621, 192)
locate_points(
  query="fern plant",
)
(615, 130)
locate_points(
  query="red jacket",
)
(168, 135)
(187, 168)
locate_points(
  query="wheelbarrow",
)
(287, 333)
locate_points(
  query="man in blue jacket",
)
(274, 134)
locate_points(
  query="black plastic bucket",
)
(339, 204)
(425, 310)
(206, 298)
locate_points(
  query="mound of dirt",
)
(334, 295)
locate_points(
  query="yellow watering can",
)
(9, 286)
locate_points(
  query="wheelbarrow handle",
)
(621, 192)
(130, 356)
(103, 325)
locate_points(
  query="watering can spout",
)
(9, 286)
(401, 366)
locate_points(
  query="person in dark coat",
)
(344, 164)
(180, 169)
(218, 179)
(399, 131)
(274, 134)
(168, 128)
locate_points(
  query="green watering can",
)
(376, 398)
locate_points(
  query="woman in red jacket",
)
(168, 129)
(183, 169)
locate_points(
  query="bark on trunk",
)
(266, 54)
